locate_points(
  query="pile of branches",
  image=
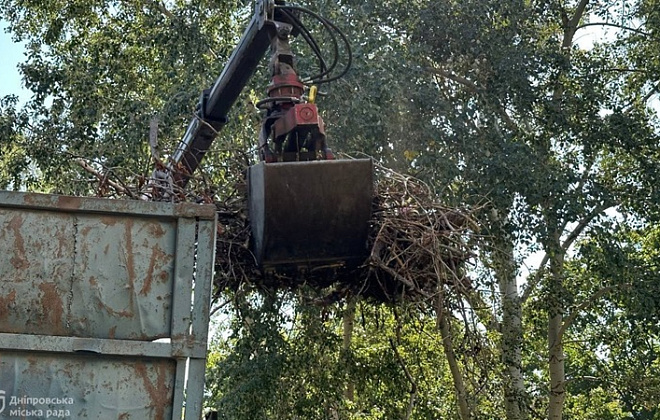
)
(416, 246)
(416, 243)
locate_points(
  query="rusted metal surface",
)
(83, 276)
(62, 267)
(69, 204)
(41, 385)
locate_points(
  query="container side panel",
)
(85, 387)
(104, 307)
(100, 276)
(36, 269)
(124, 269)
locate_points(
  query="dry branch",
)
(416, 244)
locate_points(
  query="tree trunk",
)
(555, 345)
(459, 384)
(555, 301)
(512, 333)
(348, 323)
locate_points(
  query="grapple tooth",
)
(310, 214)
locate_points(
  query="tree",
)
(536, 105)
(495, 104)
(14, 164)
(552, 134)
(620, 330)
(101, 72)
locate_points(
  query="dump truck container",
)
(104, 307)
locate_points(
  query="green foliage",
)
(616, 341)
(284, 358)
(493, 103)
(100, 71)
(14, 163)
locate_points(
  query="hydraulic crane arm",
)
(306, 210)
(215, 103)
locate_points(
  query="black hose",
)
(308, 37)
(330, 27)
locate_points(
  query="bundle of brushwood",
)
(416, 246)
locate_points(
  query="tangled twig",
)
(416, 244)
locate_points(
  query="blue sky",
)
(10, 55)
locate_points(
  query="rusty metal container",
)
(310, 214)
(104, 307)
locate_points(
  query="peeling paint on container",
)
(87, 286)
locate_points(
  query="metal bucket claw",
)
(307, 215)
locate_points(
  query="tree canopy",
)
(505, 108)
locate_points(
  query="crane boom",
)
(307, 211)
(215, 103)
